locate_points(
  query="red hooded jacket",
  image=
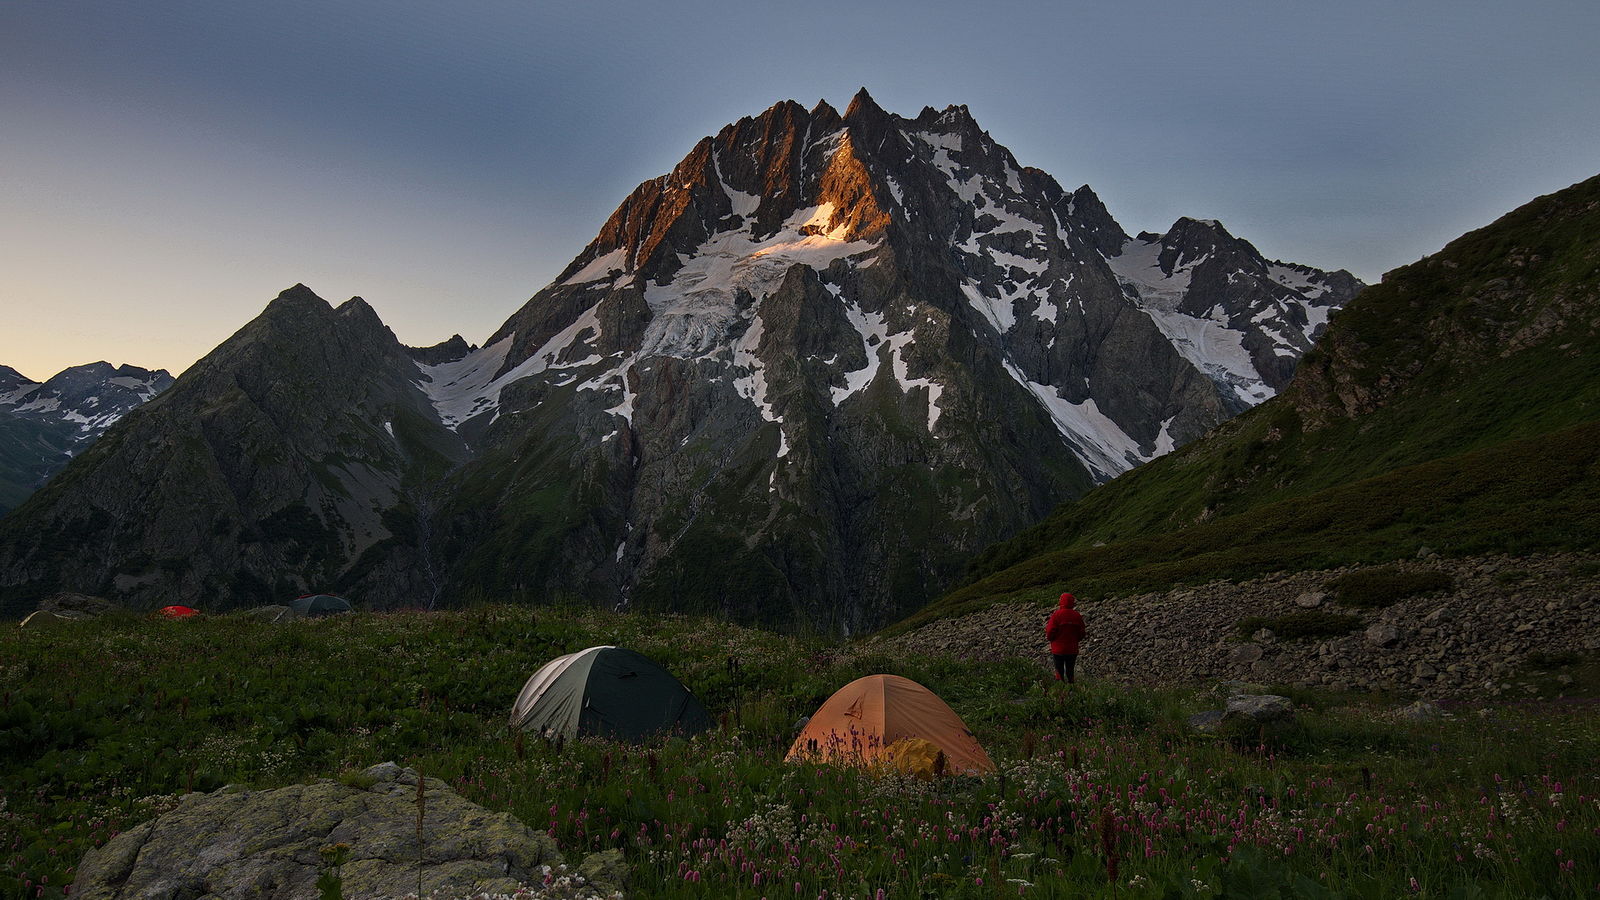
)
(1065, 628)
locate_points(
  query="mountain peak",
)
(863, 106)
(298, 297)
(1107, 235)
(1187, 224)
(816, 330)
(356, 306)
(823, 109)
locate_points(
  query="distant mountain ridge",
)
(42, 425)
(1454, 408)
(798, 380)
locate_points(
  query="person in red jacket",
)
(1065, 629)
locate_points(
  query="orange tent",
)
(863, 720)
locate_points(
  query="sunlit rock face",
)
(796, 381)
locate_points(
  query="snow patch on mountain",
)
(752, 384)
(468, 387)
(616, 379)
(902, 374)
(998, 311)
(874, 332)
(1097, 440)
(699, 310)
(1296, 278)
(1209, 343)
(460, 390)
(600, 267)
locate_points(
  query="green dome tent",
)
(320, 605)
(606, 692)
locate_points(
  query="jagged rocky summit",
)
(43, 425)
(798, 380)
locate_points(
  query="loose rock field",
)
(1476, 641)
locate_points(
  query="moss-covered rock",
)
(233, 843)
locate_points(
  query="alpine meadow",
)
(860, 513)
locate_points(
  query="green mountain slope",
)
(29, 451)
(1454, 406)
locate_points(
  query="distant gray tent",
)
(273, 614)
(42, 618)
(313, 605)
(607, 692)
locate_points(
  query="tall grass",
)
(1100, 790)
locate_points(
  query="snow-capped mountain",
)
(43, 425)
(702, 247)
(91, 397)
(1240, 318)
(798, 380)
(828, 356)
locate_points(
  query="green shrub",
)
(1381, 586)
(1554, 659)
(1585, 569)
(1300, 625)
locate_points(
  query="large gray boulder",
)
(1258, 709)
(265, 844)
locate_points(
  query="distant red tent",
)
(178, 612)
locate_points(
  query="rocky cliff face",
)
(43, 425)
(798, 380)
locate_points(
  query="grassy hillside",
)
(1102, 791)
(1455, 406)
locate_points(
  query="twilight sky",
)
(166, 168)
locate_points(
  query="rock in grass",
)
(1261, 709)
(1420, 711)
(605, 868)
(266, 843)
(1206, 722)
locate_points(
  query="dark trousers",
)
(1064, 664)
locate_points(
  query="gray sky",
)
(167, 167)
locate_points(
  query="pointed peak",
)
(359, 311)
(299, 292)
(299, 297)
(823, 108)
(862, 105)
(1086, 207)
